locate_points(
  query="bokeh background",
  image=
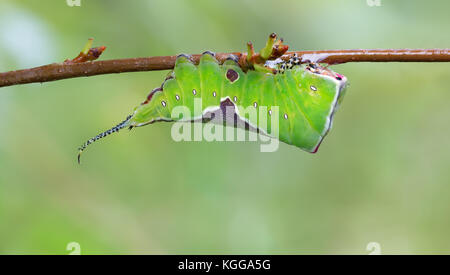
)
(382, 175)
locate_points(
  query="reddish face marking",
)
(339, 76)
(232, 75)
(317, 147)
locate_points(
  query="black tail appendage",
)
(116, 128)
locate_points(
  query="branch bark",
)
(58, 71)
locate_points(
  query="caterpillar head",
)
(325, 71)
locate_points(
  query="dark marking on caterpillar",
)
(188, 56)
(232, 75)
(213, 54)
(233, 58)
(150, 95)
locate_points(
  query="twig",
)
(57, 71)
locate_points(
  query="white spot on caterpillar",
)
(255, 104)
(214, 94)
(194, 91)
(270, 112)
(177, 97)
(285, 116)
(313, 88)
(163, 103)
(235, 99)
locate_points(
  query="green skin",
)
(306, 100)
(307, 97)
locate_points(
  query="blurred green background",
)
(382, 175)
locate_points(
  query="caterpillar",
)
(306, 95)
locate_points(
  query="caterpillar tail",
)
(114, 129)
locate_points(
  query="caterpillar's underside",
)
(306, 97)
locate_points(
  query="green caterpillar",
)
(307, 95)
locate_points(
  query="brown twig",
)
(59, 71)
